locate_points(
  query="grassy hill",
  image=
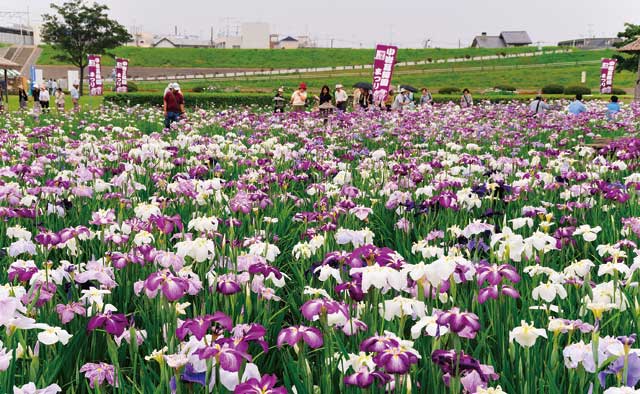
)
(272, 58)
(522, 79)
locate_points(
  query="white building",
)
(142, 40)
(255, 35)
(16, 35)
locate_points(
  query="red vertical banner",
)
(383, 63)
(95, 76)
(122, 65)
(607, 71)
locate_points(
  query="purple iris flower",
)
(616, 368)
(292, 335)
(266, 385)
(228, 284)
(191, 376)
(494, 274)
(114, 323)
(377, 344)
(173, 287)
(493, 292)
(465, 324)
(313, 309)
(229, 358)
(199, 326)
(395, 360)
(365, 378)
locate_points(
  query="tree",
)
(629, 35)
(629, 62)
(79, 29)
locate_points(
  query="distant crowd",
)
(362, 99)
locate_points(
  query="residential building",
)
(181, 42)
(504, 40)
(288, 43)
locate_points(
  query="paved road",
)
(60, 72)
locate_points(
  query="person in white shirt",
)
(538, 106)
(401, 101)
(75, 96)
(299, 98)
(44, 99)
(341, 98)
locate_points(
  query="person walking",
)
(49, 86)
(577, 106)
(278, 101)
(466, 101)
(613, 107)
(341, 98)
(60, 100)
(171, 108)
(54, 87)
(75, 96)
(426, 98)
(44, 98)
(23, 99)
(299, 98)
(538, 106)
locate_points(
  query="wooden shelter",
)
(634, 47)
(7, 65)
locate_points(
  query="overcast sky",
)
(352, 23)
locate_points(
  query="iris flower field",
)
(438, 250)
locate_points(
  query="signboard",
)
(73, 76)
(383, 63)
(606, 75)
(95, 76)
(122, 65)
(32, 76)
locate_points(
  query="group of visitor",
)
(539, 105)
(361, 99)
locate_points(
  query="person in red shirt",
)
(179, 97)
(171, 107)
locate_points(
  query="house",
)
(506, 39)
(591, 43)
(180, 42)
(288, 43)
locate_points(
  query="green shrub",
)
(577, 90)
(192, 100)
(449, 90)
(553, 89)
(618, 91)
(132, 86)
(505, 88)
